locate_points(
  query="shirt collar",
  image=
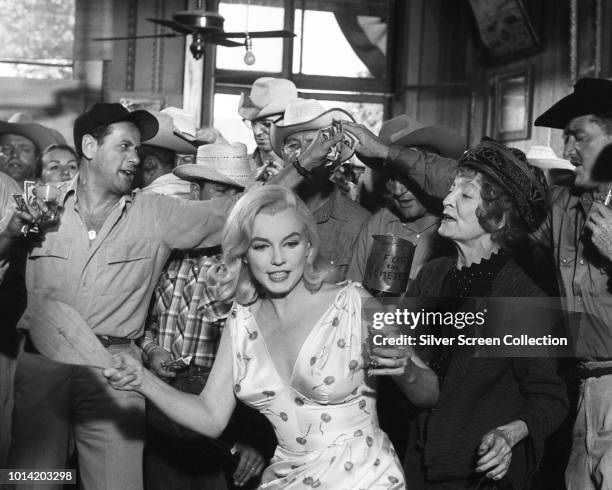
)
(330, 208)
(73, 184)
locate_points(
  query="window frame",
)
(368, 90)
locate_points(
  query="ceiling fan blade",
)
(223, 42)
(282, 33)
(126, 38)
(183, 29)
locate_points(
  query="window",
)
(340, 55)
(37, 38)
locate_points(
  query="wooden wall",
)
(445, 76)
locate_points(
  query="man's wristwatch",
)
(301, 170)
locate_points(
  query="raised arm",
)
(428, 171)
(207, 413)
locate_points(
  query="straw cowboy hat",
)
(545, 158)
(219, 162)
(306, 115)
(40, 135)
(405, 131)
(167, 136)
(268, 96)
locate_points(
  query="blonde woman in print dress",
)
(293, 349)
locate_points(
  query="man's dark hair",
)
(99, 133)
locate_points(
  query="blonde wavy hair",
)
(234, 279)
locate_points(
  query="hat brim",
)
(279, 132)
(248, 110)
(551, 163)
(144, 121)
(40, 135)
(171, 141)
(562, 112)
(194, 172)
(448, 142)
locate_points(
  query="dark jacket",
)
(479, 394)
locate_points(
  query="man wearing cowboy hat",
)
(264, 106)
(579, 231)
(158, 157)
(407, 216)
(338, 219)
(21, 144)
(185, 322)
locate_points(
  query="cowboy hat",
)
(307, 115)
(40, 135)
(406, 131)
(268, 96)
(590, 96)
(545, 158)
(218, 162)
(167, 137)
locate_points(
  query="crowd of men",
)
(142, 207)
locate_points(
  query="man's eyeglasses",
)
(267, 122)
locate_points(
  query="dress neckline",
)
(307, 339)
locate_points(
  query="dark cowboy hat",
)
(590, 96)
(508, 167)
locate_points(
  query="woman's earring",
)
(245, 260)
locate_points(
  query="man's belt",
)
(594, 371)
(108, 340)
(105, 340)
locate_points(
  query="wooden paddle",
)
(60, 333)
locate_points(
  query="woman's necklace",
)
(94, 221)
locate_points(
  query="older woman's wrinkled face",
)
(459, 220)
(277, 253)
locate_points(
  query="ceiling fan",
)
(205, 27)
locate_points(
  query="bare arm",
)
(207, 413)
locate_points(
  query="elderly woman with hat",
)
(494, 413)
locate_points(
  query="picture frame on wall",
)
(505, 29)
(510, 102)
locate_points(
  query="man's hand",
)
(600, 224)
(127, 373)
(268, 170)
(156, 361)
(316, 152)
(250, 465)
(19, 224)
(369, 145)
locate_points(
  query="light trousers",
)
(56, 402)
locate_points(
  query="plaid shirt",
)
(183, 317)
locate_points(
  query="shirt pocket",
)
(127, 265)
(49, 263)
